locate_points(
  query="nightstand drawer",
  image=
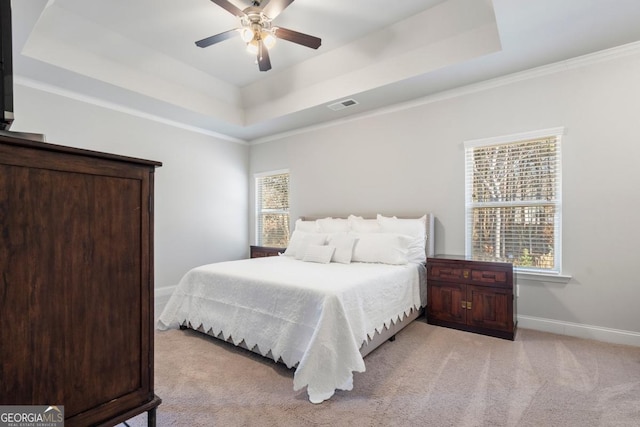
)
(497, 276)
(489, 276)
(446, 272)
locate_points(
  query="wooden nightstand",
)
(475, 296)
(262, 251)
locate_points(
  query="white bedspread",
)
(314, 315)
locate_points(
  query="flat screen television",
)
(6, 67)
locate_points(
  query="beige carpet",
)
(430, 376)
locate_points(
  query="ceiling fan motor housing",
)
(254, 22)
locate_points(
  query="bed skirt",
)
(372, 343)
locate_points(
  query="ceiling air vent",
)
(341, 105)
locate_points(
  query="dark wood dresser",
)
(475, 296)
(262, 251)
(76, 291)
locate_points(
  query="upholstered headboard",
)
(430, 220)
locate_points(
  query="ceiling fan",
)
(257, 32)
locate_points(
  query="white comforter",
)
(314, 315)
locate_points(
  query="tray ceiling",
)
(140, 55)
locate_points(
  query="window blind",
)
(272, 209)
(513, 201)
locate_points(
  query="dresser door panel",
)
(446, 302)
(489, 308)
(104, 283)
(29, 253)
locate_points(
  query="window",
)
(272, 209)
(513, 200)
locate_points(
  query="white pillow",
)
(343, 243)
(361, 225)
(385, 248)
(300, 240)
(306, 226)
(332, 225)
(308, 240)
(319, 253)
(414, 228)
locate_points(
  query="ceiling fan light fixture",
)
(269, 39)
(252, 47)
(247, 34)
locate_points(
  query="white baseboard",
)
(615, 336)
(164, 291)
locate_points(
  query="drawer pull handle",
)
(465, 273)
(466, 305)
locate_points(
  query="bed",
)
(342, 288)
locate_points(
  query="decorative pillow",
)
(306, 226)
(385, 248)
(343, 243)
(300, 240)
(319, 253)
(332, 225)
(310, 239)
(414, 228)
(361, 225)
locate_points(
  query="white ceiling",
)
(140, 54)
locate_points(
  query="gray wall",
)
(411, 160)
(201, 200)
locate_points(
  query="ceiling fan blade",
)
(264, 63)
(229, 7)
(299, 38)
(275, 7)
(217, 38)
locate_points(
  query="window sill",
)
(542, 277)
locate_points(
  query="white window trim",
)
(549, 277)
(269, 173)
(506, 139)
(529, 274)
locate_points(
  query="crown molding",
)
(56, 90)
